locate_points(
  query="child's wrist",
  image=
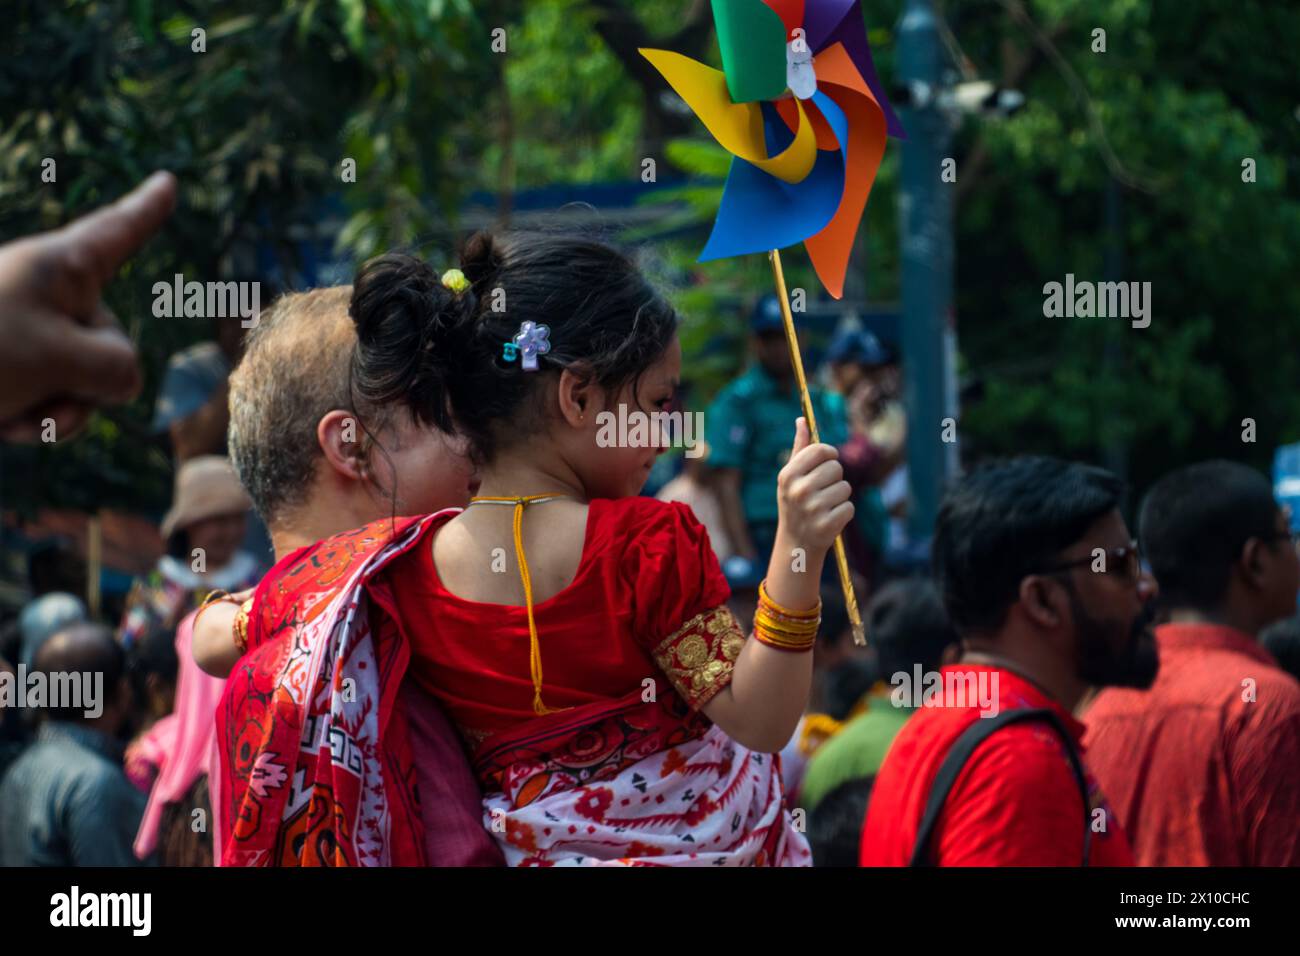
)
(787, 553)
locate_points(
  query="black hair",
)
(1194, 523)
(1007, 520)
(154, 652)
(907, 625)
(91, 649)
(835, 824)
(440, 352)
(1282, 640)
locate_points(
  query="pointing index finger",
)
(110, 235)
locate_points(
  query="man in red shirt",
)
(1042, 582)
(1204, 768)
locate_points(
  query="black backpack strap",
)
(961, 751)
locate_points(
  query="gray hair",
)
(295, 369)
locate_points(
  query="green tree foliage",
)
(256, 127)
(1183, 93)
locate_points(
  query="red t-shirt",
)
(1205, 766)
(647, 569)
(1015, 802)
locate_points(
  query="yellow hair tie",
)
(455, 280)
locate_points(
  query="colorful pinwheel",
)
(800, 108)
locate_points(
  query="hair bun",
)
(481, 259)
(407, 326)
(393, 296)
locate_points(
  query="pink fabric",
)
(148, 752)
(191, 750)
(451, 804)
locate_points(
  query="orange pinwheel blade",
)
(840, 80)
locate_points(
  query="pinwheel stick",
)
(841, 560)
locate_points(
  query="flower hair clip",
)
(531, 341)
(455, 280)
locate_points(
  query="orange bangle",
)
(765, 599)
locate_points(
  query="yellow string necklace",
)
(534, 648)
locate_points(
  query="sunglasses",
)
(1125, 561)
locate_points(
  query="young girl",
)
(577, 634)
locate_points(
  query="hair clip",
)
(455, 280)
(531, 341)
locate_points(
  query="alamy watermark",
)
(637, 429)
(1102, 300)
(207, 300)
(948, 688)
(56, 690)
(133, 911)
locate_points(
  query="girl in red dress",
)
(577, 634)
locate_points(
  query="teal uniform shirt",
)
(750, 426)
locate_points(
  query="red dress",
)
(647, 571)
(626, 769)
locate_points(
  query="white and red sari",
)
(317, 764)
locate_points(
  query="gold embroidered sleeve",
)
(699, 656)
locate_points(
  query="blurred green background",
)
(448, 135)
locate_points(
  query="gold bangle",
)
(240, 627)
(763, 636)
(766, 599)
(790, 623)
(784, 635)
(214, 597)
(798, 628)
(793, 630)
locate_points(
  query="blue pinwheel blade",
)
(759, 212)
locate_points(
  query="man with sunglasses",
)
(1204, 768)
(1042, 582)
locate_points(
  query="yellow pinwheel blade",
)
(738, 127)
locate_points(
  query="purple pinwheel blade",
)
(831, 21)
(820, 17)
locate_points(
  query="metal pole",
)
(925, 221)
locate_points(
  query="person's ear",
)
(339, 435)
(1253, 563)
(1042, 602)
(579, 396)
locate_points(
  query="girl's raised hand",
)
(812, 495)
